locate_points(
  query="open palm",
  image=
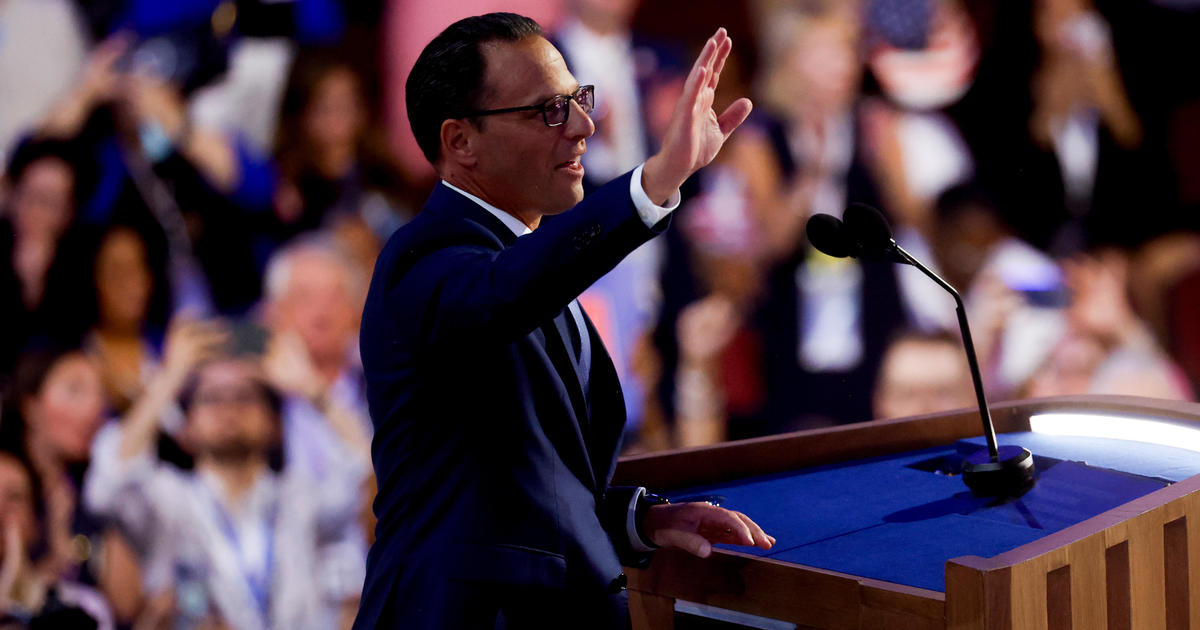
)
(696, 132)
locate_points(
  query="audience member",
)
(314, 294)
(245, 101)
(57, 406)
(702, 410)
(152, 165)
(129, 305)
(923, 63)
(599, 46)
(922, 373)
(824, 322)
(718, 381)
(234, 541)
(1082, 115)
(1014, 293)
(1107, 349)
(806, 154)
(29, 595)
(39, 250)
(329, 156)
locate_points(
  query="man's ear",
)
(458, 146)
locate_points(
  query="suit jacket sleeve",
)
(614, 516)
(474, 292)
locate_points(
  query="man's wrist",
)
(657, 184)
(639, 506)
(650, 211)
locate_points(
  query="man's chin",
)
(566, 201)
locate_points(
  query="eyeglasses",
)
(237, 396)
(555, 111)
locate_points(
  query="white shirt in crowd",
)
(259, 568)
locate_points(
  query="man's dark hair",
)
(448, 78)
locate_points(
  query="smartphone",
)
(248, 337)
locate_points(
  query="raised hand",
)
(289, 367)
(189, 343)
(101, 78)
(696, 132)
(98, 83)
(705, 327)
(152, 100)
(1100, 306)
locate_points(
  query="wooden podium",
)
(1136, 566)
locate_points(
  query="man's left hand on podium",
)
(695, 527)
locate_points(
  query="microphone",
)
(828, 235)
(863, 232)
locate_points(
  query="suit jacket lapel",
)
(563, 322)
(608, 404)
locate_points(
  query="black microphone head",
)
(867, 225)
(828, 235)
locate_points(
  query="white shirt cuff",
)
(650, 213)
(631, 529)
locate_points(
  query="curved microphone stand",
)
(1002, 471)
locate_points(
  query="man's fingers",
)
(696, 77)
(761, 539)
(719, 62)
(694, 544)
(692, 88)
(693, 97)
(734, 116)
(721, 525)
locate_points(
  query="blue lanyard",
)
(260, 585)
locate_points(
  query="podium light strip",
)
(1130, 428)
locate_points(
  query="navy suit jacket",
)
(492, 458)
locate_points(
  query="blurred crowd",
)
(193, 194)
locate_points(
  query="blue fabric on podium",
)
(890, 518)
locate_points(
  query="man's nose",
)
(579, 123)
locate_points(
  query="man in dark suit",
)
(497, 410)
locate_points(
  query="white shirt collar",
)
(513, 223)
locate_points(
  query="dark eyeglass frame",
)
(561, 101)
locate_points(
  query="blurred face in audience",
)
(334, 117)
(824, 63)
(320, 305)
(1069, 369)
(42, 199)
(920, 376)
(16, 500)
(65, 413)
(230, 415)
(123, 280)
(963, 244)
(605, 15)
